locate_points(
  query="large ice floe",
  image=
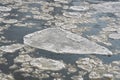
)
(61, 41)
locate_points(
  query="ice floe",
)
(47, 64)
(11, 48)
(107, 7)
(79, 8)
(114, 36)
(63, 1)
(6, 76)
(10, 21)
(72, 14)
(5, 9)
(62, 41)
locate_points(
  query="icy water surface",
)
(83, 17)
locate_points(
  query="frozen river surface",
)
(59, 39)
